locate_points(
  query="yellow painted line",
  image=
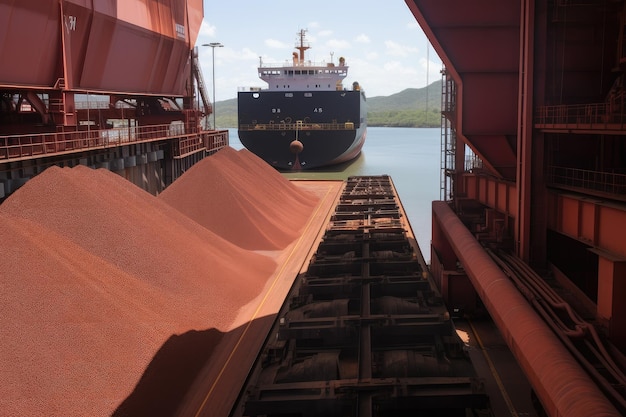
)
(280, 272)
(495, 374)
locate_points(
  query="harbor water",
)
(411, 156)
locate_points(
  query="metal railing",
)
(208, 141)
(472, 161)
(604, 182)
(598, 115)
(299, 126)
(18, 147)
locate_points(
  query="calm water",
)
(410, 156)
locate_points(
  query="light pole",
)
(213, 45)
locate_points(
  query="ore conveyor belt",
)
(364, 331)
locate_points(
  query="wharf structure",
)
(534, 182)
(109, 84)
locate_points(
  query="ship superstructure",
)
(302, 74)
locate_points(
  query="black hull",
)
(330, 127)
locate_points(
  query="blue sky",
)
(384, 46)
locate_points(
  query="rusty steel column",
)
(525, 132)
(560, 383)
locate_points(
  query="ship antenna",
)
(331, 57)
(302, 47)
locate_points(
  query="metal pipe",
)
(546, 301)
(565, 334)
(557, 302)
(562, 386)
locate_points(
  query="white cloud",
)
(362, 38)
(338, 45)
(207, 30)
(247, 54)
(396, 68)
(413, 25)
(432, 68)
(395, 49)
(371, 56)
(273, 43)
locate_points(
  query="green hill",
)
(413, 107)
(225, 113)
(408, 108)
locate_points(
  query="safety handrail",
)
(17, 147)
(605, 182)
(583, 115)
(299, 126)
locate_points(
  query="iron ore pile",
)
(97, 274)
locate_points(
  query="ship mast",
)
(302, 47)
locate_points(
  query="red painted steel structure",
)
(111, 46)
(82, 78)
(535, 89)
(560, 383)
(538, 84)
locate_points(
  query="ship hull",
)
(302, 130)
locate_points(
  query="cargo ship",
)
(305, 118)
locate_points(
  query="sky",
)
(383, 45)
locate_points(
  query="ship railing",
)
(594, 116)
(303, 64)
(299, 126)
(28, 146)
(250, 88)
(606, 183)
